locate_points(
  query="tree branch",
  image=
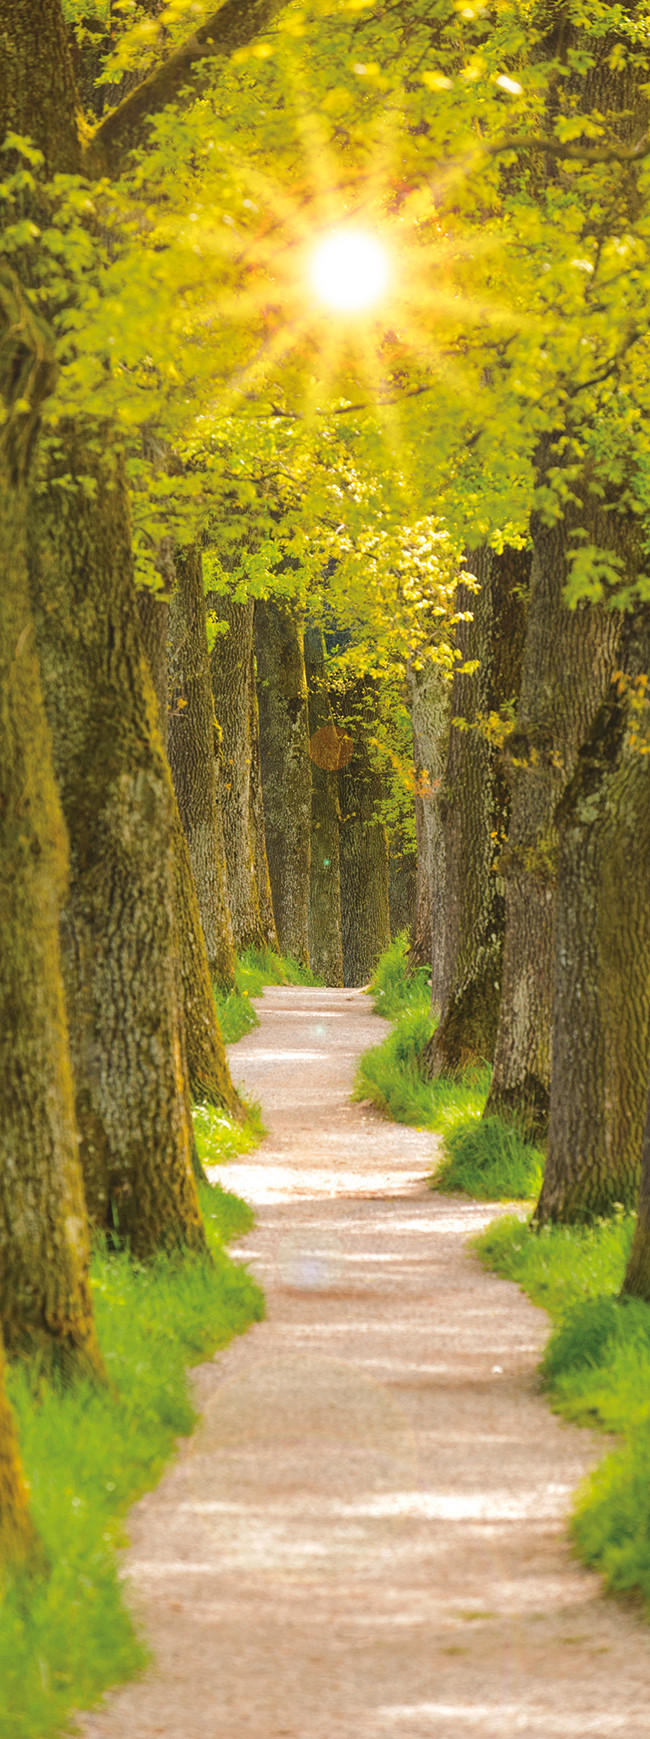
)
(234, 25)
(571, 148)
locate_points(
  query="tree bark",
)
(601, 1010)
(38, 96)
(118, 926)
(192, 758)
(402, 891)
(364, 851)
(257, 822)
(20, 1548)
(231, 665)
(45, 1302)
(286, 779)
(325, 934)
(474, 807)
(430, 703)
(153, 613)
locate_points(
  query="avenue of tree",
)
(309, 632)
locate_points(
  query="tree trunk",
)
(286, 779)
(192, 758)
(38, 96)
(325, 936)
(568, 661)
(121, 967)
(205, 1057)
(601, 1010)
(474, 808)
(20, 1549)
(45, 1302)
(153, 613)
(430, 699)
(207, 1065)
(257, 822)
(364, 852)
(402, 892)
(231, 670)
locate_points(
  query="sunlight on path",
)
(366, 1536)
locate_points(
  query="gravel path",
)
(366, 1536)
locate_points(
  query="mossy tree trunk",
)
(121, 967)
(286, 778)
(325, 935)
(474, 809)
(429, 703)
(601, 1006)
(364, 848)
(231, 666)
(45, 1303)
(568, 660)
(205, 1057)
(192, 758)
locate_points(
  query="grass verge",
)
(482, 1157)
(596, 1371)
(255, 968)
(220, 1137)
(89, 1453)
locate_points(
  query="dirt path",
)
(366, 1536)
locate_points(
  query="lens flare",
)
(349, 271)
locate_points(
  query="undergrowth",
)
(89, 1452)
(596, 1371)
(254, 969)
(482, 1157)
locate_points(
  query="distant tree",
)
(192, 758)
(286, 779)
(325, 936)
(474, 808)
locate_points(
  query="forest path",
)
(366, 1536)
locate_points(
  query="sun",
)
(349, 270)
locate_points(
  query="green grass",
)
(220, 1138)
(484, 1158)
(489, 1160)
(89, 1453)
(255, 968)
(596, 1371)
(260, 966)
(398, 988)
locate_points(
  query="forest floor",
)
(366, 1537)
